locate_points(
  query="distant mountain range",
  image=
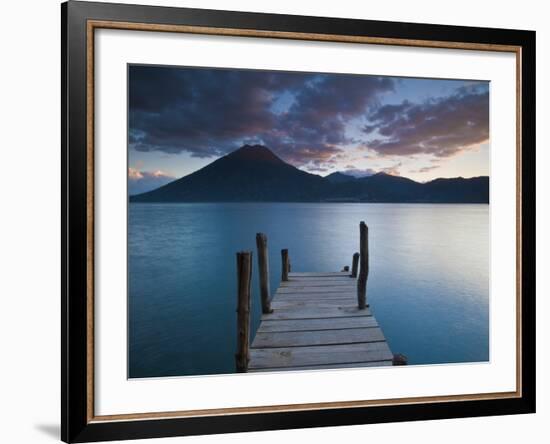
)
(255, 174)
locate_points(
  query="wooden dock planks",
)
(316, 324)
(333, 355)
(318, 337)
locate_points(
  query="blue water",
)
(428, 284)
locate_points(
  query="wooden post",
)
(363, 265)
(354, 265)
(244, 276)
(263, 269)
(400, 359)
(286, 265)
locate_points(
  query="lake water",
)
(428, 283)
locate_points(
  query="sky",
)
(183, 118)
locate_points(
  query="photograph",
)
(278, 220)
(305, 221)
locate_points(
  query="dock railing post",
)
(363, 265)
(263, 269)
(286, 265)
(354, 265)
(244, 276)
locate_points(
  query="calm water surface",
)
(428, 284)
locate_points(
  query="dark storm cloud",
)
(208, 112)
(315, 124)
(198, 110)
(441, 127)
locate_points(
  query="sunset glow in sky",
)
(181, 119)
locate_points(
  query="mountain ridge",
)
(253, 173)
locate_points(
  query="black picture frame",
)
(76, 423)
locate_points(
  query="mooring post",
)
(354, 265)
(363, 265)
(263, 269)
(400, 359)
(286, 265)
(244, 276)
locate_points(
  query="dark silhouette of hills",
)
(459, 189)
(255, 174)
(339, 177)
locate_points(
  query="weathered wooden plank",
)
(316, 289)
(318, 274)
(280, 303)
(326, 366)
(318, 283)
(319, 355)
(317, 324)
(271, 326)
(343, 278)
(324, 282)
(314, 302)
(316, 296)
(313, 290)
(312, 298)
(313, 312)
(322, 337)
(307, 282)
(301, 290)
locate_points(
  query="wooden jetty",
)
(315, 320)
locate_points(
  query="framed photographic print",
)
(276, 221)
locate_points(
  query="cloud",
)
(313, 121)
(142, 181)
(302, 117)
(200, 111)
(314, 128)
(426, 169)
(318, 169)
(393, 170)
(356, 172)
(366, 172)
(440, 127)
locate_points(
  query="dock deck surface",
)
(316, 324)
